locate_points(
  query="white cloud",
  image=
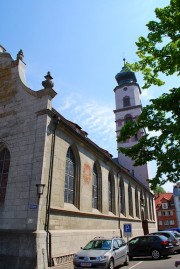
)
(147, 95)
(154, 133)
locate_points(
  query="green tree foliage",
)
(159, 189)
(159, 53)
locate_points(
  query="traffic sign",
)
(127, 230)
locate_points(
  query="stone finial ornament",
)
(20, 55)
(48, 84)
(2, 49)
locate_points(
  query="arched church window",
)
(69, 177)
(110, 193)
(95, 188)
(126, 101)
(137, 203)
(4, 170)
(150, 209)
(146, 208)
(142, 205)
(130, 202)
(152, 206)
(122, 198)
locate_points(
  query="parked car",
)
(174, 229)
(105, 253)
(150, 245)
(173, 236)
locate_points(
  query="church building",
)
(59, 189)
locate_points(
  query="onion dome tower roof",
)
(125, 75)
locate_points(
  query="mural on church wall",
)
(87, 173)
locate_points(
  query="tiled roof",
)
(162, 198)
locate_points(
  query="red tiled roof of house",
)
(162, 197)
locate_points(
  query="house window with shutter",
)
(164, 205)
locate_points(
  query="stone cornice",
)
(127, 108)
(127, 84)
(84, 214)
(41, 93)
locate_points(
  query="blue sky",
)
(82, 43)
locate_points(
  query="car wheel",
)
(111, 264)
(155, 254)
(127, 260)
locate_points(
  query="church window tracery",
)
(95, 188)
(69, 177)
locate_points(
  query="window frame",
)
(69, 186)
(97, 201)
(95, 188)
(165, 205)
(5, 160)
(126, 101)
(122, 197)
(130, 201)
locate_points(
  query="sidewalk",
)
(64, 266)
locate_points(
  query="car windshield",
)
(134, 241)
(98, 244)
(176, 234)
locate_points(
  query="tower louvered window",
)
(126, 101)
(128, 117)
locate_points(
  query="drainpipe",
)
(48, 200)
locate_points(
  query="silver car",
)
(102, 253)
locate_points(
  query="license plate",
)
(86, 264)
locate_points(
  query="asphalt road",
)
(142, 263)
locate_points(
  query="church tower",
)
(128, 107)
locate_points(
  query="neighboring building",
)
(165, 211)
(176, 194)
(58, 189)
